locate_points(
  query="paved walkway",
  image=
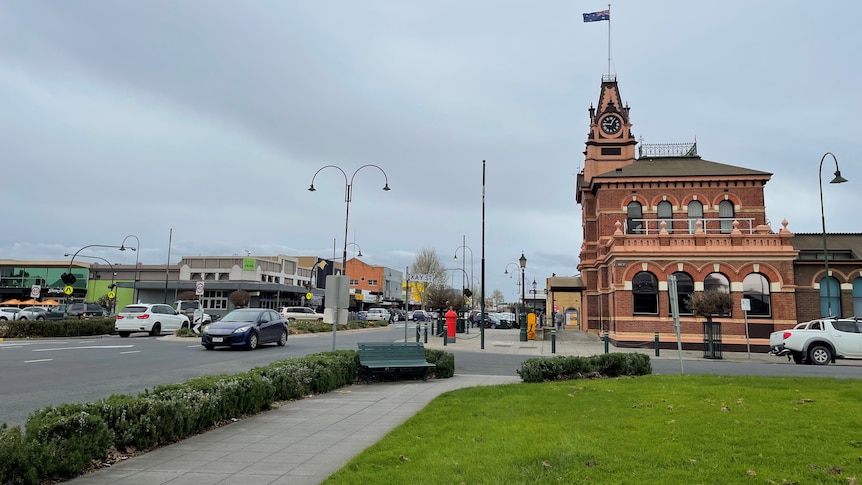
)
(303, 442)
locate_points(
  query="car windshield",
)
(244, 315)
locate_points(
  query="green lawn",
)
(644, 430)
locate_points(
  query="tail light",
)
(119, 317)
(143, 316)
(786, 335)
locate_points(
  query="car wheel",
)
(40, 318)
(156, 330)
(22, 318)
(209, 347)
(3, 319)
(252, 341)
(819, 355)
(124, 334)
(282, 341)
(798, 358)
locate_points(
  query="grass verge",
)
(651, 429)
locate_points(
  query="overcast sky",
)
(211, 118)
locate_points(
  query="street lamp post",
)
(137, 250)
(522, 261)
(359, 254)
(464, 261)
(113, 273)
(348, 196)
(534, 295)
(837, 180)
(67, 277)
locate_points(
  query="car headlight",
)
(243, 329)
(205, 328)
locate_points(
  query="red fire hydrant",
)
(451, 319)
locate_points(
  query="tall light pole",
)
(534, 295)
(837, 180)
(522, 261)
(348, 196)
(137, 250)
(464, 261)
(113, 273)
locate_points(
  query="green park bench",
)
(393, 358)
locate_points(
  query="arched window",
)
(695, 213)
(725, 213)
(830, 297)
(665, 213)
(684, 290)
(716, 281)
(755, 287)
(634, 222)
(857, 297)
(645, 293)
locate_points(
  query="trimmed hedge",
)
(73, 327)
(601, 365)
(61, 442)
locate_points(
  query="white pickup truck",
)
(819, 341)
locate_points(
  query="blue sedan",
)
(246, 327)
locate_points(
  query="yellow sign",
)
(308, 295)
(531, 326)
(111, 295)
(68, 289)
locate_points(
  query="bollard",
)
(445, 335)
(425, 330)
(607, 341)
(656, 344)
(553, 341)
(417, 332)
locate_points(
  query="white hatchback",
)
(153, 318)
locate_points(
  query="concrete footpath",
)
(303, 442)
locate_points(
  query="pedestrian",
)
(558, 320)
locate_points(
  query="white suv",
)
(153, 318)
(377, 314)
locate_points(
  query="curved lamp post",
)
(359, 254)
(464, 247)
(68, 274)
(137, 250)
(506, 271)
(522, 261)
(348, 196)
(113, 273)
(837, 180)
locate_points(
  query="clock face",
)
(611, 124)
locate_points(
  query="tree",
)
(708, 303)
(239, 298)
(441, 298)
(427, 262)
(497, 298)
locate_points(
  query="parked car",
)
(8, 312)
(377, 314)
(85, 310)
(246, 327)
(819, 341)
(419, 316)
(153, 318)
(293, 313)
(493, 321)
(31, 313)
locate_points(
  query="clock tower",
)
(610, 143)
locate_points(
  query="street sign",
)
(111, 295)
(746, 304)
(308, 296)
(35, 290)
(199, 288)
(425, 278)
(68, 289)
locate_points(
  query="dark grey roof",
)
(814, 242)
(680, 167)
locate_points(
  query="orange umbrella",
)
(50, 303)
(28, 302)
(13, 301)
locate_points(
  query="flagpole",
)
(609, 39)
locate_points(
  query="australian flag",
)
(597, 16)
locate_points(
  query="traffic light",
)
(68, 278)
(467, 292)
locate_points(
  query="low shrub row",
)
(73, 327)
(62, 442)
(601, 365)
(304, 326)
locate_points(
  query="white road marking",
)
(38, 360)
(131, 352)
(86, 348)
